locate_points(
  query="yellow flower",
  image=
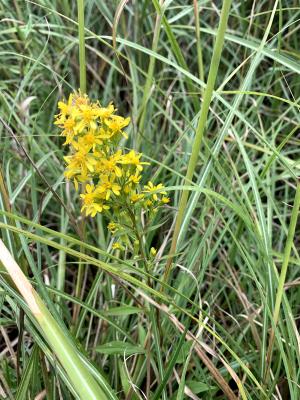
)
(86, 115)
(112, 227)
(108, 186)
(104, 134)
(116, 123)
(127, 189)
(90, 204)
(153, 251)
(80, 163)
(68, 130)
(90, 140)
(89, 196)
(76, 176)
(66, 108)
(80, 99)
(148, 203)
(150, 188)
(117, 246)
(135, 179)
(132, 180)
(111, 164)
(165, 199)
(134, 198)
(69, 124)
(133, 158)
(105, 112)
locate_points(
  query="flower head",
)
(150, 188)
(108, 177)
(115, 124)
(117, 246)
(91, 204)
(133, 158)
(153, 251)
(112, 227)
(108, 186)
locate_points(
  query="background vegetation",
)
(205, 334)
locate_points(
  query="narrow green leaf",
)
(27, 374)
(119, 348)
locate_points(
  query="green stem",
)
(84, 383)
(82, 64)
(156, 333)
(214, 66)
(285, 263)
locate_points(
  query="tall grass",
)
(225, 324)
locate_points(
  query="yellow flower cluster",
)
(109, 177)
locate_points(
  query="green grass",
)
(222, 323)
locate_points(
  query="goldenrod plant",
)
(109, 177)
